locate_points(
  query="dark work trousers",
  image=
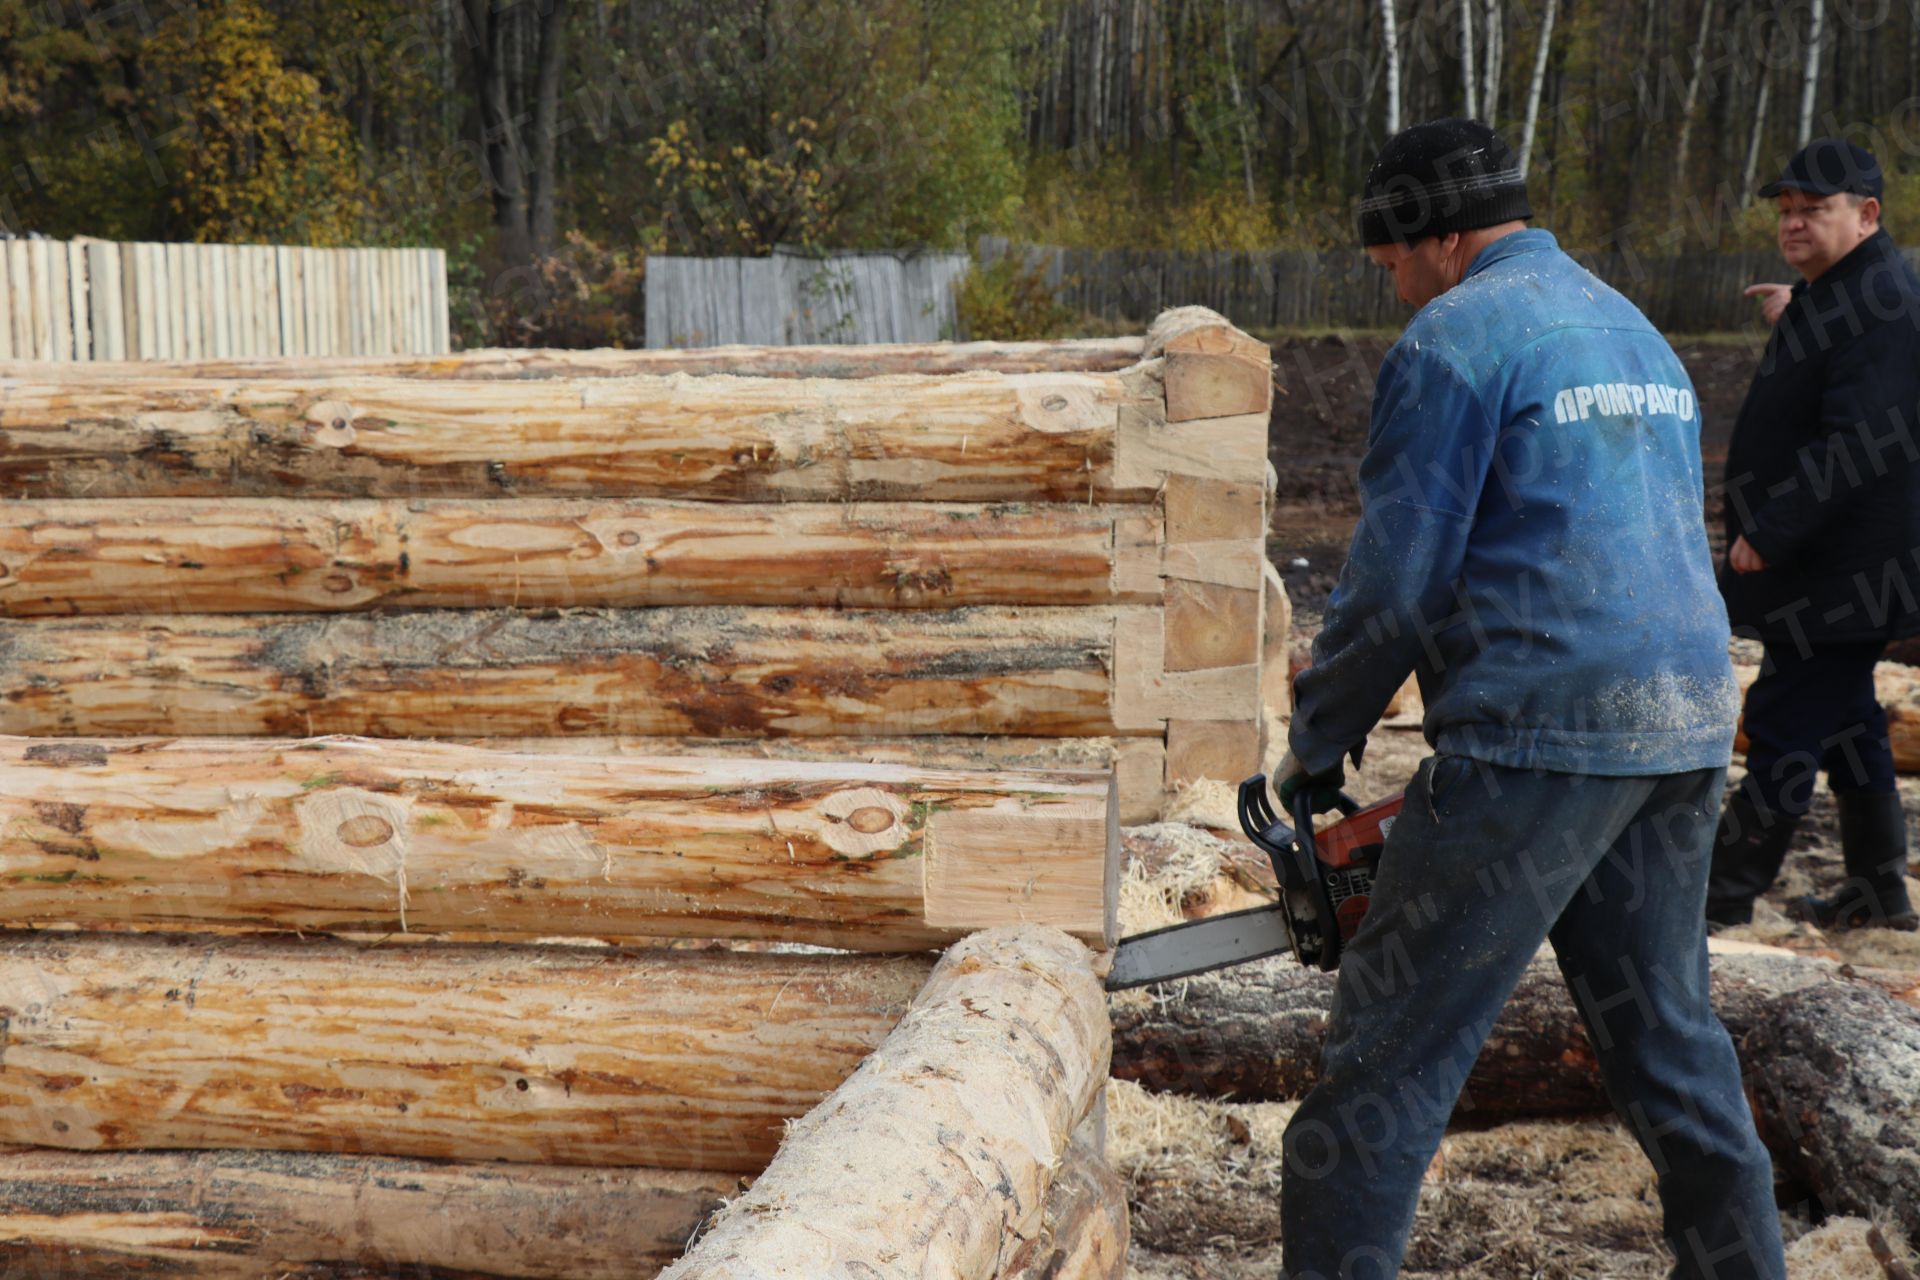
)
(1483, 865)
(1814, 710)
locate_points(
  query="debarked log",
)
(355, 835)
(935, 1157)
(1139, 764)
(256, 555)
(1254, 1032)
(536, 1054)
(981, 437)
(714, 672)
(240, 1215)
(853, 360)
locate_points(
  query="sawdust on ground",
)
(1553, 1200)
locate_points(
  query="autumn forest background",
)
(551, 145)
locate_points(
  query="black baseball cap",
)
(1830, 167)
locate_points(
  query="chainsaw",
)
(1325, 883)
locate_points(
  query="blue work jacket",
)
(1532, 542)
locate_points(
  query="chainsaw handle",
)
(1264, 827)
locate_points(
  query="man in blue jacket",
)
(1532, 547)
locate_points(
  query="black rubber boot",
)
(1873, 840)
(1747, 853)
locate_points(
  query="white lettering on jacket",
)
(1619, 399)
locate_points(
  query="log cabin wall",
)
(1044, 554)
(620, 648)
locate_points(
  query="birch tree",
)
(1390, 38)
(1693, 96)
(1469, 70)
(1810, 79)
(1534, 85)
(1496, 46)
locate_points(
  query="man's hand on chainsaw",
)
(1323, 789)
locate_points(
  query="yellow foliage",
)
(263, 156)
(1109, 206)
(736, 200)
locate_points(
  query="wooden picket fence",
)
(102, 300)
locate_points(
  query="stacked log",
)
(869, 360)
(240, 1215)
(364, 836)
(1055, 544)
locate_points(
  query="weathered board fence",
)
(1694, 293)
(102, 300)
(796, 298)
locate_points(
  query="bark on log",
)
(250, 555)
(1139, 764)
(543, 1055)
(717, 672)
(1212, 369)
(1084, 1227)
(934, 1158)
(361, 836)
(239, 1215)
(984, 437)
(1254, 1032)
(1835, 1080)
(868, 360)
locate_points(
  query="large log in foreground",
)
(983, 437)
(544, 1055)
(1084, 1226)
(363, 836)
(1835, 1081)
(1254, 1032)
(240, 1215)
(863, 360)
(253, 555)
(719, 672)
(935, 1157)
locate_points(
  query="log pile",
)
(367, 731)
(1059, 542)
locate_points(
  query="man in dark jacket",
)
(1823, 533)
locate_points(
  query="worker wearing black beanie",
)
(1531, 548)
(1441, 176)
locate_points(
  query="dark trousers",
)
(1484, 865)
(1814, 711)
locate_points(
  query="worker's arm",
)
(1858, 439)
(1427, 460)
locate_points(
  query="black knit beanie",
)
(1441, 176)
